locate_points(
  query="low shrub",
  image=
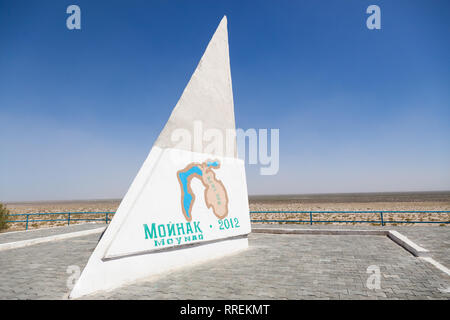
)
(4, 216)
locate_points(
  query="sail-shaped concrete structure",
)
(186, 205)
(208, 96)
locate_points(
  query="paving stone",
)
(274, 267)
(45, 232)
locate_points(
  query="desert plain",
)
(327, 208)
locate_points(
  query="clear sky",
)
(358, 110)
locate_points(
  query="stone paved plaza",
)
(274, 267)
(46, 232)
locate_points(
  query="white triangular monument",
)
(188, 203)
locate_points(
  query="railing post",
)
(106, 218)
(68, 219)
(26, 227)
(310, 218)
(381, 216)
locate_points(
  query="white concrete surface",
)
(63, 236)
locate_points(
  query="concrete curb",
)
(30, 242)
(407, 244)
(436, 264)
(321, 231)
(46, 228)
(395, 236)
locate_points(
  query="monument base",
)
(100, 275)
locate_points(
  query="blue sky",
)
(358, 110)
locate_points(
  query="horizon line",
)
(250, 195)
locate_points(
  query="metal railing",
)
(70, 216)
(382, 220)
(75, 216)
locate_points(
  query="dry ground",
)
(414, 201)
